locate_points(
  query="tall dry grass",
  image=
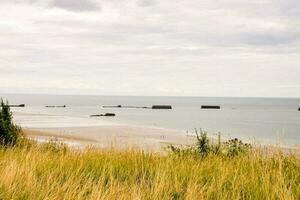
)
(48, 172)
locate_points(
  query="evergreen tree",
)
(9, 132)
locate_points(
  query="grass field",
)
(48, 172)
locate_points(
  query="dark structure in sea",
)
(118, 106)
(210, 107)
(20, 105)
(63, 106)
(161, 107)
(144, 107)
(104, 115)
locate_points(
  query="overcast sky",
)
(151, 47)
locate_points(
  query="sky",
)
(151, 47)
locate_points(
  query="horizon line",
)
(122, 95)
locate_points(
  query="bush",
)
(236, 147)
(204, 147)
(9, 132)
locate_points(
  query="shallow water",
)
(267, 120)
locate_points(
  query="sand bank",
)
(98, 132)
(120, 136)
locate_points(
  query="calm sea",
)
(266, 120)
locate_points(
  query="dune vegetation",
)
(231, 170)
(50, 171)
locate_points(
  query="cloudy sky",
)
(151, 47)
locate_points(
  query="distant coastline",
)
(265, 120)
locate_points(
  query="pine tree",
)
(9, 132)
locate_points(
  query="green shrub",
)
(204, 147)
(235, 147)
(9, 132)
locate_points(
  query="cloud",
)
(146, 3)
(289, 7)
(149, 47)
(76, 5)
(271, 39)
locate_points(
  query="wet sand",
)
(99, 133)
(119, 136)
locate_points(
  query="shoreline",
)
(102, 133)
(98, 132)
(126, 142)
(122, 137)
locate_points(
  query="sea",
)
(260, 120)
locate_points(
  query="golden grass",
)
(46, 172)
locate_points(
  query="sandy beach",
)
(83, 132)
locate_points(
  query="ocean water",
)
(265, 120)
